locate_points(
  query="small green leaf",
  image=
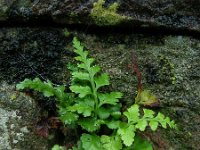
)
(148, 113)
(102, 80)
(90, 124)
(81, 90)
(84, 55)
(45, 87)
(79, 49)
(164, 121)
(89, 62)
(22, 85)
(72, 67)
(172, 124)
(127, 133)
(60, 93)
(85, 107)
(82, 108)
(81, 76)
(103, 113)
(66, 116)
(79, 58)
(76, 43)
(133, 113)
(111, 142)
(91, 142)
(82, 66)
(115, 111)
(113, 124)
(160, 118)
(109, 98)
(153, 124)
(95, 69)
(116, 114)
(141, 124)
(57, 147)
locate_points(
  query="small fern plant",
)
(90, 107)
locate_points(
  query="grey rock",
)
(18, 114)
(172, 14)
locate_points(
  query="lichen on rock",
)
(18, 116)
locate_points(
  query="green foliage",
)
(127, 133)
(106, 16)
(111, 142)
(90, 103)
(89, 107)
(91, 142)
(136, 121)
(141, 144)
(57, 147)
(46, 88)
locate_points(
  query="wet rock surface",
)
(173, 14)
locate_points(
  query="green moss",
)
(167, 70)
(106, 16)
(66, 32)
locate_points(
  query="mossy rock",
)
(168, 14)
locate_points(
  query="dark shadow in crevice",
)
(125, 28)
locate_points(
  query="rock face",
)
(170, 65)
(173, 14)
(29, 52)
(17, 113)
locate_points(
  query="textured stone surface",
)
(18, 114)
(170, 66)
(30, 52)
(173, 14)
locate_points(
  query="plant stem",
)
(94, 91)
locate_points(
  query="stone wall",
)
(36, 42)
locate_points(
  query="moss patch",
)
(106, 16)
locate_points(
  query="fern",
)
(90, 108)
(136, 121)
(46, 88)
(89, 81)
